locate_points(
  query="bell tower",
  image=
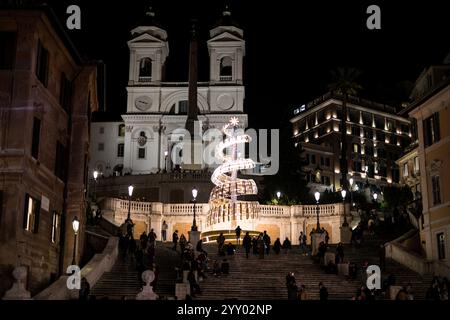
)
(148, 52)
(226, 51)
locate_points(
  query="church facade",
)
(147, 139)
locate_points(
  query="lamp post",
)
(75, 226)
(166, 153)
(351, 191)
(95, 184)
(130, 193)
(278, 196)
(343, 194)
(317, 196)
(194, 200)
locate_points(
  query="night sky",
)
(291, 46)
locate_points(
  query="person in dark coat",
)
(247, 243)
(323, 292)
(199, 247)
(195, 288)
(225, 267)
(175, 240)
(230, 249)
(144, 239)
(266, 239)
(287, 245)
(291, 286)
(255, 245)
(260, 242)
(85, 289)
(220, 243)
(277, 246)
(238, 234)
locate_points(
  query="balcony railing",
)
(226, 78)
(145, 79)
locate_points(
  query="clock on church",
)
(143, 103)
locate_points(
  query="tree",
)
(344, 83)
(290, 180)
(397, 196)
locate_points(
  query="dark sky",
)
(291, 46)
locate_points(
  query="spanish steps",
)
(255, 278)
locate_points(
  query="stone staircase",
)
(122, 281)
(368, 251)
(255, 279)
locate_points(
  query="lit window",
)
(121, 130)
(405, 170)
(31, 214)
(55, 227)
(416, 164)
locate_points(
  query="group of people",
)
(438, 289)
(261, 245)
(299, 291)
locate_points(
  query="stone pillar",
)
(18, 291)
(147, 291)
(194, 237)
(316, 239)
(346, 234)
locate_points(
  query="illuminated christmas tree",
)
(225, 209)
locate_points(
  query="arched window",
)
(225, 69)
(121, 130)
(145, 69)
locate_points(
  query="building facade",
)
(376, 136)
(432, 111)
(147, 140)
(46, 96)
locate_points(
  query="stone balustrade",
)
(241, 210)
(272, 210)
(324, 210)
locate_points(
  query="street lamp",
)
(351, 191)
(194, 200)
(75, 226)
(166, 153)
(95, 184)
(130, 193)
(278, 195)
(375, 196)
(343, 194)
(317, 196)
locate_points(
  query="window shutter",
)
(437, 132)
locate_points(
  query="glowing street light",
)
(130, 193)
(343, 194)
(194, 200)
(317, 196)
(95, 184)
(75, 227)
(278, 195)
(166, 154)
